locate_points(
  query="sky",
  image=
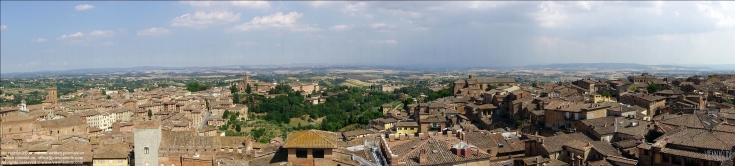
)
(50, 36)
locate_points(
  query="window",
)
(10, 130)
(566, 115)
(146, 150)
(676, 160)
(301, 153)
(21, 129)
(119, 161)
(318, 153)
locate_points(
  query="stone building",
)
(689, 147)
(478, 85)
(52, 99)
(564, 115)
(147, 141)
(652, 103)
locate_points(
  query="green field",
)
(355, 83)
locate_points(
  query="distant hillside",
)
(610, 66)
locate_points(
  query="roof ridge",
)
(414, 149)
(325, 139)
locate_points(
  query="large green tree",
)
(653, 88)
(195, 87)
(233, 89)
(726, 100)
(235, 98)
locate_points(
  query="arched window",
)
(146, 151)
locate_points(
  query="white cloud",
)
(252, 4)
(109, 43)
(389, 42)
(276, 21)
(198, 3)
(154, 32)
(3, 27)
(317, 4)
(39, 40)
(357, 9)
(721, 18)
(382, 27)
(481, 4)
(342, 27)
(81, 38)
(203, 20)
(585, 5)
(84, 7)
(228, 5)
(550, 15)
(377, 25)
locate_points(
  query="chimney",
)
(254, 153)
(423, 159)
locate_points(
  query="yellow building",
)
(408, 128)
(111, 156)
(597, 98)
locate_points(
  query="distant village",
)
(638, 120)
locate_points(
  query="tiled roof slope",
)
(311, 139)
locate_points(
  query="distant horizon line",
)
(446, 66)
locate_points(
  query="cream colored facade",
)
(407, 130)
(110, 162)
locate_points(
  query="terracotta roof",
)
(65, 122)
(555, 143)
(700, 138)
(407, 124)
(557, 163)
(487, 106)
(627, 143)
(438, 152)
(111, 152)
(567, 106)
(509, 144)
(273, 159)
(481, 139)
(606, 125)
(311, 139)
(356, 132)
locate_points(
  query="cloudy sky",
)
(66, 35)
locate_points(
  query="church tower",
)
(52, 98)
